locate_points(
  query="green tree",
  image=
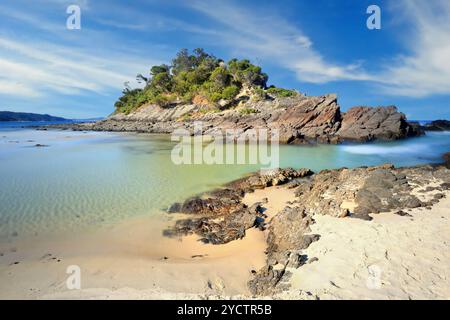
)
(220, 77)
(230, 92)
(159, 69)
(182, 62)
(195, 73)
(245, 72)
(161, 82)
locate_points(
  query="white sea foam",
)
(386, 149)
(438, 133)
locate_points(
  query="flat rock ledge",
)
(220, 216)
(299, 120)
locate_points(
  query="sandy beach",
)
(390, 257)
(120, 257)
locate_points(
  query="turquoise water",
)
(84, 179)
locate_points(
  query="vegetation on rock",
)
(198, 74)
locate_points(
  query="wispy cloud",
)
(12, 88)
(39, 57)
(425, 69)
(269, 36)
(60, 61)
(122, 16)
(60, 69)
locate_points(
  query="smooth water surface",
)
(82, 179)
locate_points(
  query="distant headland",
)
(25, 116)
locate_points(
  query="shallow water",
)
(85, 179)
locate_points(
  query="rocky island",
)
(235, 95)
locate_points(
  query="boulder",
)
(364, 124)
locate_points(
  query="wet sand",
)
(134, 255)
(390, 257)
(129, 255)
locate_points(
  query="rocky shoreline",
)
(437, 125)
(300, 120)
(221, 216)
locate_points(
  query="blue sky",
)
(316, 47)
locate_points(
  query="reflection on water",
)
(86, 179)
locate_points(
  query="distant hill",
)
(22, 116)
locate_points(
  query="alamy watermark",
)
(374, 20)
(73, 22)
(374, 279)
(228, 146)
(73, 281)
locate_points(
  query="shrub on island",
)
(198, 74)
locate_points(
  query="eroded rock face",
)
(288, 231)
(342, 193)
(220, 215)
(218, 230)
(381, 123)
(299, 120)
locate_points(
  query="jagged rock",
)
(219, 216)
(211, 205)
(265, 280)
(437, 125)
(369, 190)
(299, 120)
(226, 204)
(381, 123)
(288, 231)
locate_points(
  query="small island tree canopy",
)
(199, 73)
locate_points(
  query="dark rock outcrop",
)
(220, 216)
(437, 125)
(341, 193)
(288, 231)
(299, 120)
(381, 123)
(354, 193)
(446, 157)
